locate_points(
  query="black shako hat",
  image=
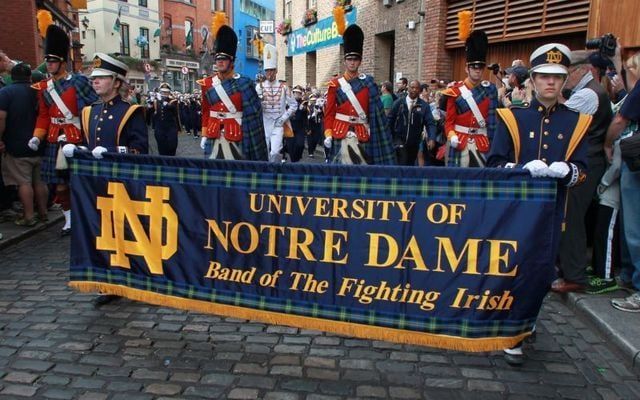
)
(476, 48)
(226, 43)
(353, 39)
(56, 44)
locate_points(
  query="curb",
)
(10, 241)
(618, 329)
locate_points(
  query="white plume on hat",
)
(270, 57)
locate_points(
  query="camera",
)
(495, 68)
(606, 44)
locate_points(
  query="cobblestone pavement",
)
(54, 344)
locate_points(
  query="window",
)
(124, 44)
(144, 51)
(287, 9)
(168, 32)
(218, 5)
(512, 19)
(252, 51)
(142, 3)
(256, 10)
(312, 4)
(188, 33)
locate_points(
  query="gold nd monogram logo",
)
(554, 57)
(113, 212)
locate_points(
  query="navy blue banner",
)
(446, 257)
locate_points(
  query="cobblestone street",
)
(55, 344)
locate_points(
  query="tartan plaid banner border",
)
(475, 329)
(296, 182)
(445, 257)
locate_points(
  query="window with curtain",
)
(144, 51)
(124, 42)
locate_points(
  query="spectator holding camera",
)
(587, 96)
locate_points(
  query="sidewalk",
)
(621, 328)
(12, 233)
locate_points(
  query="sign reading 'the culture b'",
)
(446, 257)
(324, 33)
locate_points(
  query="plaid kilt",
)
(48, 166)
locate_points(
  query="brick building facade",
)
(391, 46)
(418, 39)
(178, 18)
(19, 37)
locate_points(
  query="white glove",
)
(558, 169)
(203, 141)
(33, 144)
(98, 151)
(62, 138)
(454, 141)
(279, 122)
(68, 149)
(158, 96)
(328, 141)
(510, 165)
(537, 168)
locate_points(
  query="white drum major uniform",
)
(277, 104)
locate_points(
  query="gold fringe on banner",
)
(270, 317)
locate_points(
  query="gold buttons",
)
(104, 111)
(560, 136)
(99, 129)
(545, 146)
(546, 133)
(532, 135)
(110, 116)
(540, 108)
(100, 120)
(546, 120)
(544, 160)
(97, 139)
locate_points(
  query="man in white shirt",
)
(277, 104)
(587, 97)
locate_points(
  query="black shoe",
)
(65, 232)
(104, 299)
(514, 356)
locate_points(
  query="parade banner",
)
(446, 257)
(323, 33)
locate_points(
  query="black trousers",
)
(407, 154)
(167, 143)
(573, 241)
(606, 246)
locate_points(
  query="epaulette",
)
(201, 82)
(450, 92)
(333, 83)
(40, 85)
